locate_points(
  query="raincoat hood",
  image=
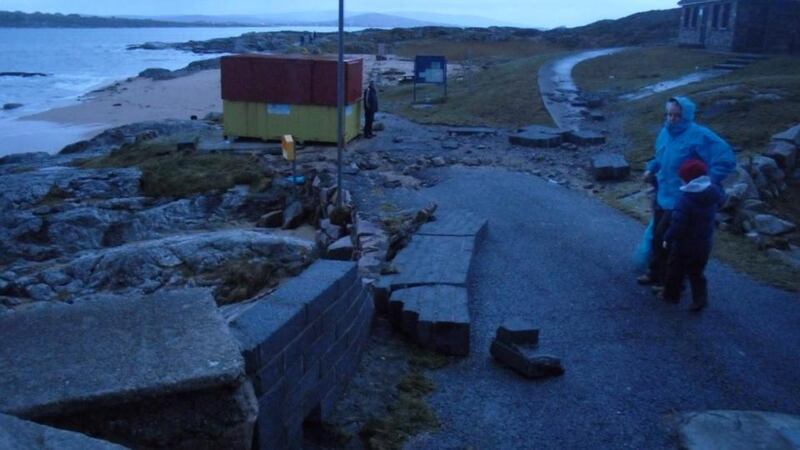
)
(687, 116)
(701, 191)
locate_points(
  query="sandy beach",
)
(141, 99)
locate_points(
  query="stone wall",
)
(301, 346)
(718, 35)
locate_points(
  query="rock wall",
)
(301, 346)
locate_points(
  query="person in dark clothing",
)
(690, 233)
(370, 108)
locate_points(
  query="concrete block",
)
(454, 223)
(265, 329)
(518, 331)
(436, 317)
(434, 260)
(172, 346)
(471, 131)
(315, 351)
(525, 362)
(538, 136)
(585, 138)
(21, 434)
(332, 356)
(610, 167)
(319, 285)
(300, 345)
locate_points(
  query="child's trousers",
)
(687, 263)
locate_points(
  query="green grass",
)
(477, 51)
(409, 414)
(504, 95)
(634, 69)
(167, 172)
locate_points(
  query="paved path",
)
(558, 89)
(563, 260)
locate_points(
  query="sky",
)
(538, 13)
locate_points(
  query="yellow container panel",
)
(273, 121)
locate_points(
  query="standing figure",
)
(680, 139)
(690, 234)
(370, 108)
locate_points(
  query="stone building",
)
(752, 26)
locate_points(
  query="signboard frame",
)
(430, 69)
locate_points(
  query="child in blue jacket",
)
(690, 233)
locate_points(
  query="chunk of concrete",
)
(792, 135)
(538, 136)
(272, 219)
(585, 137)
(773, 226)
(341, 250)
(471, 131)
(608, 166)
(21, 434)
(518, 331)
(435, 317)
(150, 371)
(524, 362)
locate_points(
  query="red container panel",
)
(296, 80)
(324, 81)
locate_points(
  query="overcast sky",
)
(543, 13)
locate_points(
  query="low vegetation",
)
(500, 94)
(169, 172)
(409, 414)
(634, 69)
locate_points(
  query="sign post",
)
(340, 104)
(430, 70)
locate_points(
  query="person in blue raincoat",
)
(680, 139)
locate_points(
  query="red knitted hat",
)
(691, 169)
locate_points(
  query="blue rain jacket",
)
(687, 140)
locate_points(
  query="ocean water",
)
(78, 61)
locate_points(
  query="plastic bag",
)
(641, 257)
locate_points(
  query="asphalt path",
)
(563, 260)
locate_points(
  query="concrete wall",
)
(717, 37)
(768, 26)
(301, 345)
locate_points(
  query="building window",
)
(687, 14)
(726, 15)
(695, 13)
(715, 17)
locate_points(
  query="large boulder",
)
(784, 154)
(792, 136)
(773, 226)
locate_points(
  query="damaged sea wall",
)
(301, 345)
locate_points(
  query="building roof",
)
(693, 2)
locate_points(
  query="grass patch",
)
(167, 172)
(473, 51)
(54, 196)
(409, 414)
(634, 69)
(506, 94)
(741, 107)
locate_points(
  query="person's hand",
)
(664, 245)
(647, 177)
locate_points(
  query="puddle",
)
(671, 84)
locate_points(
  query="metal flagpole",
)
(340, 103)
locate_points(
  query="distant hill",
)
(375, 20)
(17, 19)
(644, 28)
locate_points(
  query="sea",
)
(77, 61)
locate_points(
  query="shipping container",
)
(294, 80)
(270, 121)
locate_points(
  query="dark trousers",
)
(659, 255)
(369, 117)
(683, 263)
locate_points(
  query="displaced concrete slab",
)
(518, 331)
(462, 223)
(739, 430)
(149, 371)
(21, 434)
(608, 166)
(471, 131)
(585, 138)
(538, 136)
(433, 260)
(525, 361)
(435, 317)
